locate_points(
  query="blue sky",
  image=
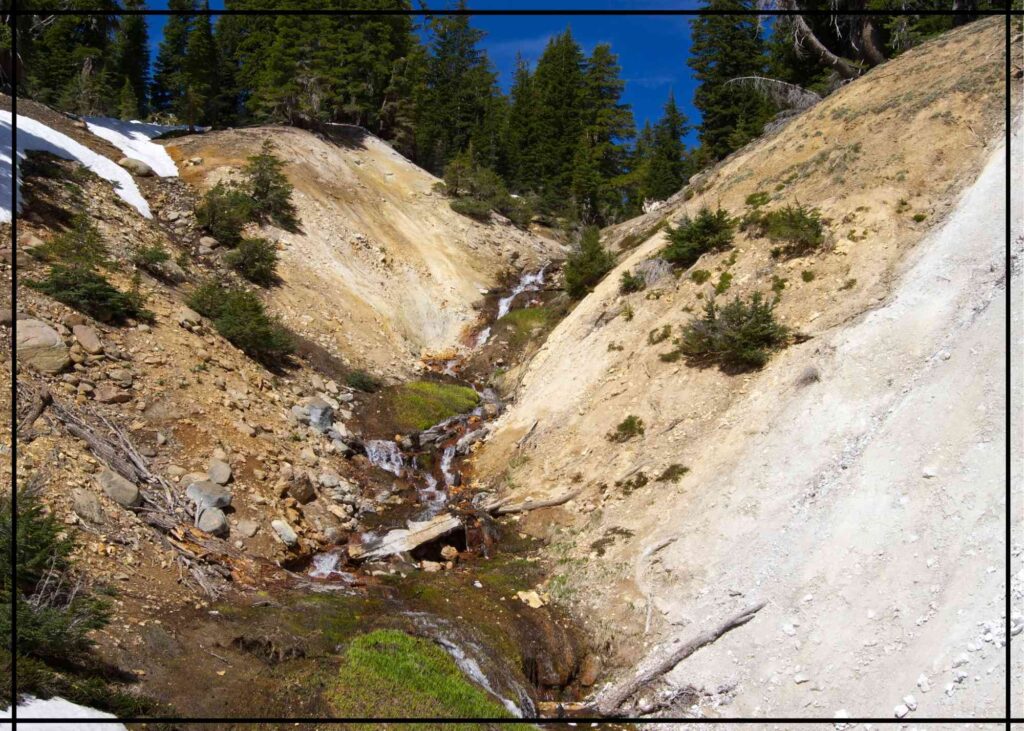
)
(652, 50)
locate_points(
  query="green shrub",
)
(587, 264)
(151, 257)
(256, 260)
(724, 282)
(694, 237)
(627, 312)
(631, 426)
(799, 227)
(55, 609)
(631, 283)
(848, 284)
(224, 211)
(477, 190)
(738, 336)
(778, 284)
(672, 473)
(90, 292)
(807, 275)
(363, 381)
(480, 210)
(700, 275)
(659, 335)
(81, 245)
(918, 217)
(269, 188)
(758, 199)
(241, 319)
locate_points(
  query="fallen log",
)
(402, 540)
(608, 703)
(501, 507)
(38, 405)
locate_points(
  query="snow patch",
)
(33, 135)
(58, 708)
(134, 139)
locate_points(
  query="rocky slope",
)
(381, 271)
(855, 483)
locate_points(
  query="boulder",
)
(40, 347)
(213, 521)
(88, 339)
(321, 414)
(302, 490)
(108, 394)
(219, 471)
(208, 242)
(206, 494)
(188, 317)
(86, 505)
(135, 167)
(285, 532)
(121, 491)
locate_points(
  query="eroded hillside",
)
(381, 270)
(855, 482)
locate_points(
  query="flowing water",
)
(385, 454)
(432, 485)
(528, 282)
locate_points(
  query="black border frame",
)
(1008, 13)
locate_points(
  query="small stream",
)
(445, 444)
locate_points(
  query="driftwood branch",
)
(39, 402)
(402, 540)
(782, 93)
(608, 704)
(804, 36)
(206, 558)
(500, 507)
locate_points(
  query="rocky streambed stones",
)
(208, 494)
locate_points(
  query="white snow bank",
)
(33, 135)
(58, 708)
(134, 139)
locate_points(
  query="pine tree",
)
(128, 105)
(169, 78)
(666, 163)
(724, 48)
(200, 73)
(131, 58)
(608, 124)
(559, 96)
(459, 85)
(521, 131)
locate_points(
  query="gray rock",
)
(213, 521)
(121, 491)
(329, 479)
(321, 414)
(40, 347)
(285, 532)
(248, 528)
(206, 494)
(187, 317)
(191, 477)
(107, 394)
(219, 471)
(302, 490)
(208, 242)
(86, 505)
(136, 167)
(88, 339)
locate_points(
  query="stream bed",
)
(461, 588)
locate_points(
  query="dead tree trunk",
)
(803, 36)
(870, 42)
(608, 704)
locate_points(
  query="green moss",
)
(419, 405)
(521, 325)
(388, 674)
